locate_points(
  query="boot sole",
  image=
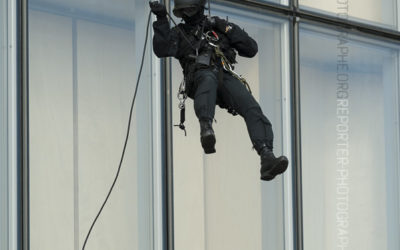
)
(276, 170)
(208, 144)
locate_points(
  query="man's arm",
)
(165, 40)
(239, 39)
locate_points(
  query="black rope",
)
(130, 120)
(127, 135)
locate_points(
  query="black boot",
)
(207, 136)
(272, 166)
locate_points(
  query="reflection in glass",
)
(284, 2)
(219, 200)
(350, 141)
(377, 12)
(84, 57)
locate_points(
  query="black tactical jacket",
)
(170, 42)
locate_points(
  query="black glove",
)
(220, 24)
(158, 9)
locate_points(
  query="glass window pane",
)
(284, 2)
(84, 61)
(3, 128)
(219, 200)
(377, 12)
(350, 141)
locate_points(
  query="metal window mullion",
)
(13, 188)
(297, 164)
(169, 183)
(287, 135)
(169, 154)
(159, 220)
(297, 177)
(294, 4)
(23, 119)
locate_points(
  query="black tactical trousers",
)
(232, 95)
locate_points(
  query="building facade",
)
(326, 75)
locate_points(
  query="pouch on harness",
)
(208, 53)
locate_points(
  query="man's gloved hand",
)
(158, 9)
(220, 24)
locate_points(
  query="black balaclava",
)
(196, 18)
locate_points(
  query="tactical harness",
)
(212, 39)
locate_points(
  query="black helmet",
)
(189, 7)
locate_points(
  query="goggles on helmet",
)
(190, 11)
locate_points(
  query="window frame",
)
(18, 59)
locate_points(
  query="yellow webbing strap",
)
(227, 66)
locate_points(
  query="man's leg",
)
(234, 95)
(205, 96)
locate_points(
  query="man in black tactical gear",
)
(208, 78)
